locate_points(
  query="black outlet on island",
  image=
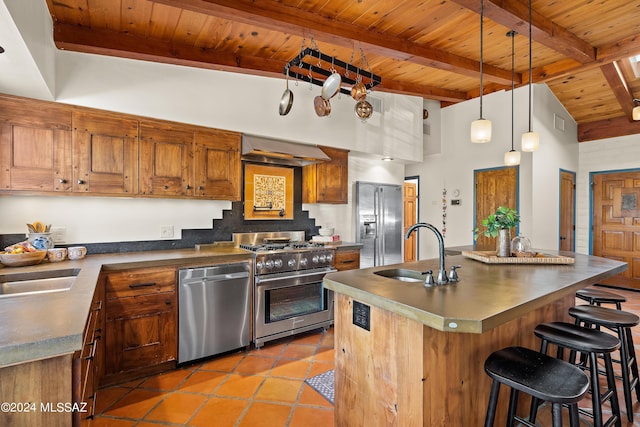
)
(361, 315)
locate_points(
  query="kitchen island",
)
(410, 355)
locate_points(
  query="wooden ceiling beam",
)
(609, 128)
(514, 15)
(113, 43)
(280, 17)
(619, 87)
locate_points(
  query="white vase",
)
(503, 243)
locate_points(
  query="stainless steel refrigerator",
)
(379, 223)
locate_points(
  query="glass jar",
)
(520, 244)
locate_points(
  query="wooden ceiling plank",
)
(620, 89)
(610, 128)
(113, 43)
(514, 14)
(275, 16)
(136, 15)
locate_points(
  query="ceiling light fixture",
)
(387, 158)
(481, 128)
(531, 139)
(636, 110)
(512, 157)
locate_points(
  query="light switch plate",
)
(59, 234)
(166, 231)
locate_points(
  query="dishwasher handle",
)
(218, 278)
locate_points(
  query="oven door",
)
(286, 303)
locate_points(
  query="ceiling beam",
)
(514, 15)
(609, 128)
(619, 87)
(280, 17)
(114, 43)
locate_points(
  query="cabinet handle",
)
(94, 345)
(63, 181)
(200, 187)
(166, 187)
(168, 302)
(347, 261)
(98, 306)
(188, 187)
(141, 285)
(80, 181)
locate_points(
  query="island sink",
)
(402, 274)
(18, 284)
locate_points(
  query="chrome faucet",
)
(442, 274)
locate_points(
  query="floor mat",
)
(323, 384)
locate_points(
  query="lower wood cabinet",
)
(87, 361)
(347, 259)
(141, 323)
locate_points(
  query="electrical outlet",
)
(59, 234)
(166, 231)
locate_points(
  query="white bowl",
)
(326, 231)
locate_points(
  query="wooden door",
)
(166, 159)
(494, 188)
(35, 146)
(616, 223)
(410, 194)
(105, 153)
(218, 172)
(567, 211)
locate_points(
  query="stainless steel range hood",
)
(265, 150)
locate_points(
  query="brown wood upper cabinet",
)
(218, 172)
(35, 146)
(105, 153)
(327, 182)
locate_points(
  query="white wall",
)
(452, 167)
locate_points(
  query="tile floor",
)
(256, 388)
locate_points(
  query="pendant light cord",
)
(512, 34)
(530, 71)
(481, 48)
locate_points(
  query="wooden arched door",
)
(494, 188)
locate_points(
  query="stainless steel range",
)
(288, 293)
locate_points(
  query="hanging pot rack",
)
(303, 69)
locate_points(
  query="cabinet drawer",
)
(140, 282)
(140, 305)
(347, 260)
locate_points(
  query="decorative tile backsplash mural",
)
(268, 192)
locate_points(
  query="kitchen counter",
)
(34, 327)
(413, 356)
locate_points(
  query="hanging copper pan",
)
(322, 106)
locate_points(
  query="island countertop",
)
(487, 295)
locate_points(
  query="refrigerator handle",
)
(381, 224)
(376, 240)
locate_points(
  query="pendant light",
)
(531, 139)
(512, 157)
(481, 128)
(636, 110)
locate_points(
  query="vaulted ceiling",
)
(427, 48)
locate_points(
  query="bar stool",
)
(599, 297)
(538, 375)
(591, 343)
(621, 323)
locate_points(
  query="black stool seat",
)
(597, 297)
(590, 343)
(538, 375)
(604, 316)
(621, 323)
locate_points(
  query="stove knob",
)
(292, 263)
(323, 258)
(259, 265)
(269, 264)
(278, 263)
(315, 259)
(329, 257)
(303, 262)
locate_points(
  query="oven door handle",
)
(273, 279)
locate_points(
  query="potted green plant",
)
(499, 224)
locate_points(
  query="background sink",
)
(16, 284)
(402, 274)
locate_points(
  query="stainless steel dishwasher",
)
(214, 310)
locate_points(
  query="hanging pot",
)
(359, 91)
(331, 86)
(322, 106)
(363, 109)
(287, 99)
